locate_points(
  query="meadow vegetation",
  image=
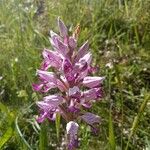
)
(119, 36)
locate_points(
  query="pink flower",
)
(72, 67)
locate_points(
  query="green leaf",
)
(3, 108)
(6, 136)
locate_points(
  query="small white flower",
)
(109, 65)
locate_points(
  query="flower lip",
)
(72, 130)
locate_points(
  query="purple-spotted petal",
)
(68, 71)
(70, 78)
(46, 76)
(72, 42)
(49, 114)
(53, 100)
(92, 81)
(51, 80)
(82, 51)
(92, 94)
(73, 109)
(74, 106)
(62, 48)
(90, 119)
(74, 91)
(62, 86)
(87, 58)
(72, 131)
(67, 66)
(50, 103)
(62, 28)
(82, 75)
(51, 58)
(80, 66)
(48, 107)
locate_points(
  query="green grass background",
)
(119, 34)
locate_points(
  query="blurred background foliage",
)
(119, 36)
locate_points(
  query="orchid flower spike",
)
(71, 76)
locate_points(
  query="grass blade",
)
(137, 118)
(21, 135)
(57, 122)
(111, 133)
(43, 143)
